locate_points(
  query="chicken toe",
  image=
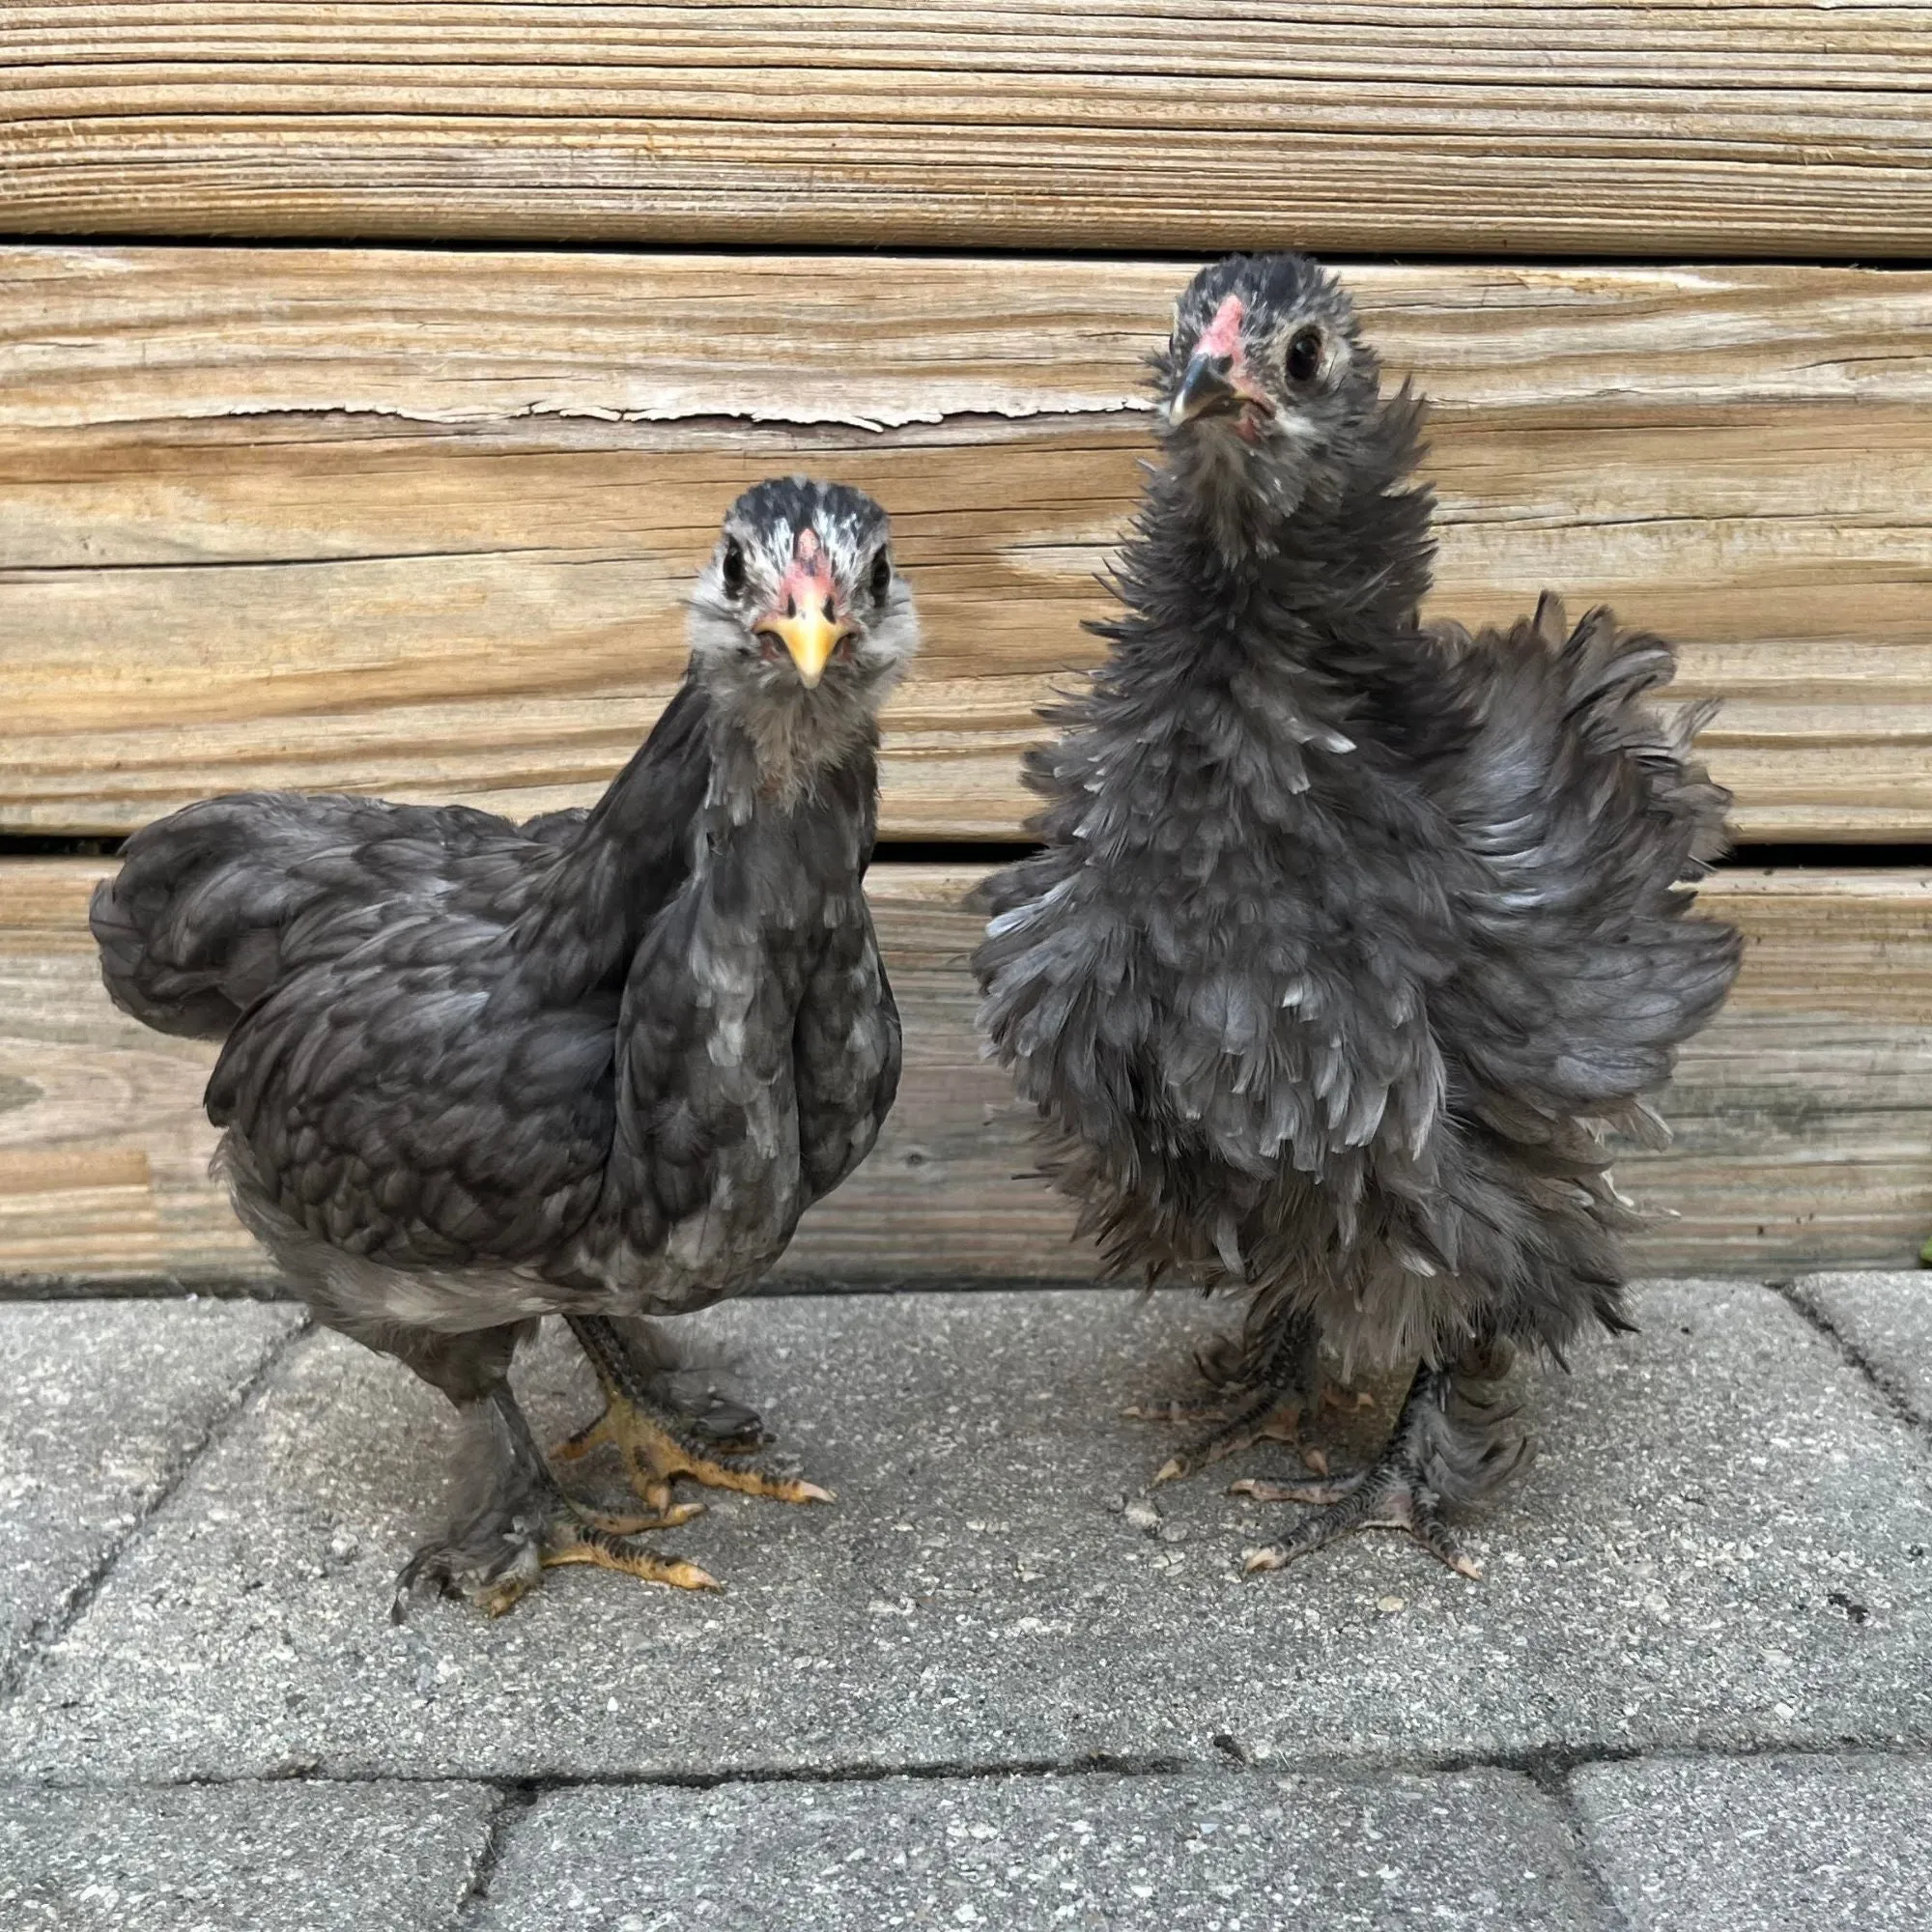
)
(1264, 1415)
(574, 1537)
(659, 1446)
(1444, 1450)
(512, 1521)
(1381, 1498)
(1269, 1385)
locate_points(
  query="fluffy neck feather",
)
(1256, 636)
(780, 745)
(1321, 542)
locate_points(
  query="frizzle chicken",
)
(598, 1066)
(1349, 936)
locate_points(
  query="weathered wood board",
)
(1803, 1115)
(1437, 126)
(417, 521)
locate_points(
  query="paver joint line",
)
(1806, 1304)
(1552, 1772)
(1560, 1790)
(49, 1630)
(513, 1804)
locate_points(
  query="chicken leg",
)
(1272, 1381)
(1445, 1449)
(512, 1521)
(657, 1443)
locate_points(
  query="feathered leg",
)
(1273, 1383)
(509, 1519)
(512, 1521)
(658, 1442)
(1445, 1449)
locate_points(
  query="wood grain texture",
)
(1444, 126)
(418, 522)
(1803, 1115)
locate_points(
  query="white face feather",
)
(839, 540)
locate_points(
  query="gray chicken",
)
(1349, 936)
(598, 1066)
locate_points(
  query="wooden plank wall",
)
(1804, 1134)
(1440, 127)
(415, 518)
(421, 521)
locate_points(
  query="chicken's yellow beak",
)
(811, 637)
(803, 616)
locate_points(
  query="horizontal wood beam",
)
(418, 522)
(1439, 125)
(1803, 1115)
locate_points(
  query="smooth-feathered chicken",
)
(598, 1066)
(1351, 936)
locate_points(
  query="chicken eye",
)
(731, 571)
(1304, 355)
(882, 577)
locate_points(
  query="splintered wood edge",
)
(123, 334)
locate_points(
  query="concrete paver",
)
(1771, 1844)
(1723, 1544)
(100, 1407)
(1887, 1320)
(1229, 1852)
(241, 1858)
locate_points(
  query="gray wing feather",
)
(1589, 812)
(845, 1052)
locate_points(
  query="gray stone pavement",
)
(1886, 1321)
(1233, 1854)
(102, 1406)
(283, 1858)
(997, 1682)
(1769, 1844)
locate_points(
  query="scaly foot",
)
(1267, 1416)
(1377, 1498)
(517, 1523)
(1430, 1459)
(1267, 1381)
(657, 1445)
(657, 1450)
(496, 1564)
(1259, 1415)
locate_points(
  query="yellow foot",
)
(499, 1559)
(571, 1541)
(656, 1454)
(581, 1537)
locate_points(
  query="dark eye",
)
(1304, 355)
(731, 571)
(882, 577)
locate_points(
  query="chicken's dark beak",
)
(1218, 382)
(1207, 389)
